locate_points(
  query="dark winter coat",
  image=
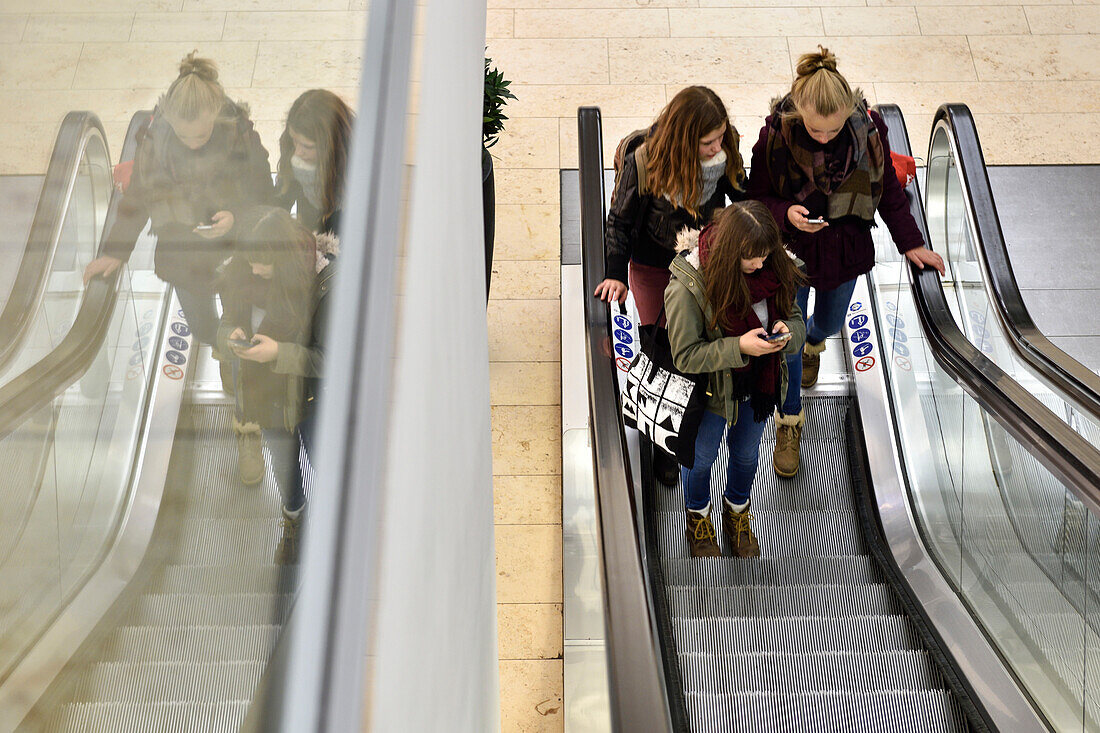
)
(308, 214)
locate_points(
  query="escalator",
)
(905, 582)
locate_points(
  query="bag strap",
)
(640, 159)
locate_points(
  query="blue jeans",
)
(743, 441)
(830, 306)
(286, 462)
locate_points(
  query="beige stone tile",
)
(870, 22)
(960, 3)
(702, 61)
(527, 142)
(308, 63)
(531, 696)
(524, 330)
(335, 25)
(528, 563)
(721, 23)
(156, 65)
(101, 6)
(525, 382)
(527, 499)
(1037, 57)
(273, 103)
(526, 438)
(110, 105)
(527, 232)
(358, 4)
(592, 23)
(550, 61)
(614, 129)
(499, 23)
(1080, 19)
(174, 26)
(529, 631)
(38, 65)
(527, 186)
(562, 100)
(919, 128)
(25, 147)
(597, 4)
(972, 21)
(778, 3)
(12, 27)
(746, 100)
(262, 5)
(78, 27)
(994, 96)
(935, 58)
(1039, 139)
(270, 131)
(525, 280)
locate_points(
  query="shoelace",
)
(704, 529)
(741, 523)
(787, 434)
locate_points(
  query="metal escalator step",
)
(230, 541)
(787, 600)
(818, 672)
(930, 711)
(198, 644)
(781, 534)
(167, 681)
(795, 634)
(216, 579)
(197, 609)
(162, 717)
(718, 571)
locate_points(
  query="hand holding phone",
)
(815, 220)
(777, 337)
(204, 228)
(241, 343)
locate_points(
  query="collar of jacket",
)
(685, 268)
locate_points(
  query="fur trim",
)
(791, 421)
(328, 248)
(688, 241)
(811, 349)
(244, 428)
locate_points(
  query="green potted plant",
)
(496, 96)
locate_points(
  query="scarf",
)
(306, 175)
(797, 164)
(759, 379)
(711, 171)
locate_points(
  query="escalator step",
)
(932, 711)
(819, 672)
(163, 717)
(787, 600)
(231, 541)
(785, 534)
(796, 634)
(217, 579)
(167, 681)
(198, 644)
(718, 571)
(243, 609)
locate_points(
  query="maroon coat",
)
(844, 249)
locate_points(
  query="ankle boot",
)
(250, 452)
(788, 440)
(738, 532)
(665, 468)
(286, 552)
(701, 536)
(811, 363)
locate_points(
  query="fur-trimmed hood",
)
(687, 240)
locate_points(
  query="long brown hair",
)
(322, 117)
(672, 146)
(271, 236)
(744, 231)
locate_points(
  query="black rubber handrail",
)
(1060, 449)
(43, 381)
(1078, 384)
(45, 231)
(636, 682)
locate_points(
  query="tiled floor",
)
(1031, 74)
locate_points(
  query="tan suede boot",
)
(788, 440)
(811, 363)
(250, 452)
(701, 536)
(738, 531)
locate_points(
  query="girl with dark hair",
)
(275, 294)
(822, 166)
(313, 156)
(730, 293)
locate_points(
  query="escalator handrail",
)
(43, 381)
(45, 232)
(1059, 448)
(1077, 382)
(636, 684)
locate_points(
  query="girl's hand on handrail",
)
(610, 290)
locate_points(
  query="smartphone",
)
(241, 343)
(204, 227)
(816, 220)
(772, 337)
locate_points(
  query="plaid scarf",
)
(797, 165)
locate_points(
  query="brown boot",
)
(736, 529)
(286, 553)
(250, 452)
(811, 363)
(700, 535)
(788, 439)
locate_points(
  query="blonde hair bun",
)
(818, 86)
(811, 63)
(205, 69)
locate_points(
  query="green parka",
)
(697, 349)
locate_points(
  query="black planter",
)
(488, 210)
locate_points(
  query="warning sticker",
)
(865, 363)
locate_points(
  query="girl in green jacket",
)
(732, 315)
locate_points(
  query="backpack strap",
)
(640, 158)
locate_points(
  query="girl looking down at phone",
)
(823, 155)
(729, 292)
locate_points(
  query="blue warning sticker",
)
(857, 306)
(135, 359)
(140, 344)
(181, 329)
(891, 305)
(624, 336)
(145, 329)
(901, 350)
(863, 349)
(861, 335)
(898, 336)
(177, 343)
(857, 321)
(621, 321)
(175, 357)
(977, 317)
(624, 351)
(893, 320)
